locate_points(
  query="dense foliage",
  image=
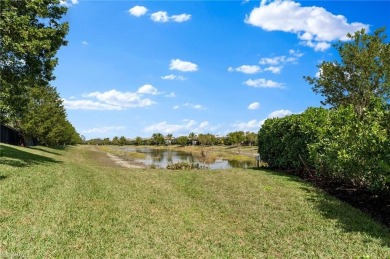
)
(333, 144)
(208, 139)
(45, 118)
(350, 142)
(363, 75)
(31, 33)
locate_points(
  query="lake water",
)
(162, 157)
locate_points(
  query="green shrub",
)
(354, 149)
(183, 166)
(336, 144)
(283, 142)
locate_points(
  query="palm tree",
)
(169, 139)
(191, 137)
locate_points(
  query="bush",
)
(183, 166)
(283, 142)
(335, 144)
(353, 149)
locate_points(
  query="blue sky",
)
(134, 68)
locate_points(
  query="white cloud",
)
(184, 66)
(279, 114)
(121, 99)
(89, 105)
(248, 126)
(159, 16)
(254, 106)
(138, 10)
(113, 100)
(102, 129)
(276, 64)
(176, 107)
(275, 70)
(314, 26)
(261, 82)
(183, 128)
(194, 106)
(171, 95)
(165, 128)
(246, 69)
(255, 125)
(84, 43)
(181, 17)
(68, 3)
(173, 77)
(204, 124)
(162, 16)
(147, 89)
(319, 72)
(272, 61)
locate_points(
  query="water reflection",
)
(162, 157)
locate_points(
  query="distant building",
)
(9, 135)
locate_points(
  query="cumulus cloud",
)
(147, 89)
(180, 17)
(254, 106)
(159, 16)
(162, 16)
(138, 10)
(173, 77)
(261, 82)
(275, 70)
(275, 64)
(166, 128)
(184, 66)
(195, 106)
(248, 126)
(279, 114)
(255, 125)
(113, 100)
(68, 3)
(246, 69)
(102, 129)
(314, 26)
(183, 128)
(88, 105)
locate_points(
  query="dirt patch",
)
(125, 163)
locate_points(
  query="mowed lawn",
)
(75, 203)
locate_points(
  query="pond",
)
(162, 157)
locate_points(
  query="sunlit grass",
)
(76, 203)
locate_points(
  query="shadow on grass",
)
(348, 218)
(18, 158)
(46, 150)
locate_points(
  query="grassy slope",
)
(76, 203)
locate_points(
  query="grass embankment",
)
(76, 203)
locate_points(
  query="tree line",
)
(31, 33)
(237, 138)
(350, 141)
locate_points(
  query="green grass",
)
(75, 203)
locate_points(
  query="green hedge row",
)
(335, 144)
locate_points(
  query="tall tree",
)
(45, 118)
(362, 77)
(236, 138)
(158, 139)
(31, 33)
